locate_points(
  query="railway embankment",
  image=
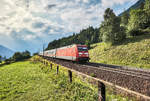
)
(133, 52)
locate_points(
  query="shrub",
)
(19, 56)
(8, 61)
(135, 32)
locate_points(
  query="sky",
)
(28, 24)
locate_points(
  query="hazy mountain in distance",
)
(5, 51)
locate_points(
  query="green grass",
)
(134, 52)
(25, 81)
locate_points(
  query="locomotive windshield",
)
(82, 49)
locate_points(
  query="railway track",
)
(116, 69)
(122, 70)
(132, 79)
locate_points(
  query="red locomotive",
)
(71, 52)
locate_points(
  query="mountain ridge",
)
(4, 51)
(137, 5)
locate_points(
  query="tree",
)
(0, 59)
(4, 58)
(139, 19)
(88, 44)
(8, 61)
(35, 53)
(124, 19)
(26, 54)
(17, 56)
(89, 34)
(147, 5)
(147, 11)
(110, 29)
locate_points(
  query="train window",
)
(82, 49)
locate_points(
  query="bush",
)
(35, 53)
(8, 61)
(135, 32)
(26, 54)
(19, 56)
(147, 30)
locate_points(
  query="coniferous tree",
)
(90, 35)
(88, 44)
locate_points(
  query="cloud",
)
(50, 6)
(38, 25)
(27, 23)
(111, 3)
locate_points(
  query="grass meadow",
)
(26, 81)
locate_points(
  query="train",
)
(75, 52)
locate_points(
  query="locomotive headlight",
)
(80, 53)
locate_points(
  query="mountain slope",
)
(5, 51)
(132, 52)
(137, 5)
